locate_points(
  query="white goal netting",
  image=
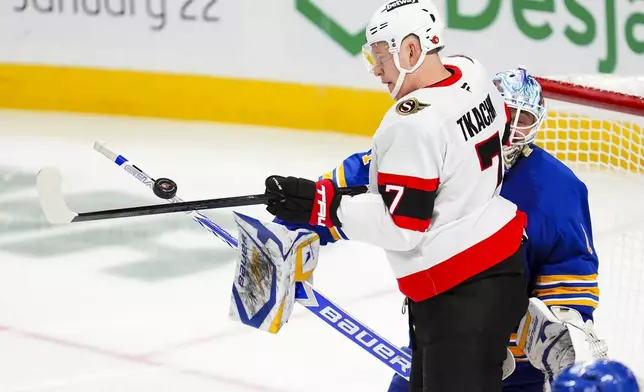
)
(606, 149)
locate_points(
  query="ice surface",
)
(141, 304)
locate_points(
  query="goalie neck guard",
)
(396, 20)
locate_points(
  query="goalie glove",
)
(554, 339)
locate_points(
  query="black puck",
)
(165, 188)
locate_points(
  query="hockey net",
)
(595, 125)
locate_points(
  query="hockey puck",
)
(165, 188)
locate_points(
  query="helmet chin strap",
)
(399, 82)
(404, 72)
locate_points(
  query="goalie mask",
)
(395, 21)
(523, 95)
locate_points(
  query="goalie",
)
(561, 262)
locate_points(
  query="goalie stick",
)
(305, 294)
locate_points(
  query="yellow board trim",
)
(570, 137)
(191, 97)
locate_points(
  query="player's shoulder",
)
(467, 84)
(427, 109)
(413, 113)
(549, 167)
(557, 189)
(467, 64)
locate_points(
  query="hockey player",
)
(453, 243)
(561, 261)
(598, 375)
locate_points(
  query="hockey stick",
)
(305, 294)
(52, 201)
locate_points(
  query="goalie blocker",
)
(274, 269)
(271, 259)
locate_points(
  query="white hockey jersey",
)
(435, 176)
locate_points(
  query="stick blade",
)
(101, 147)
(50, 193)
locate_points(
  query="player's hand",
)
(299, 200)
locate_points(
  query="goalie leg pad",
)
(545, 340)
(509, 365)
(554, 339)
(271, 259)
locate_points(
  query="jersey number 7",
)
(486, 151)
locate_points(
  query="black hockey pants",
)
(460, 337)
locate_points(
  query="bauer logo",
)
(243, 269)
(381, 348)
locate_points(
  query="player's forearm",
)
(365, 218)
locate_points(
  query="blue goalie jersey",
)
(561, 261)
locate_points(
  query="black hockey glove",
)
(298, 200)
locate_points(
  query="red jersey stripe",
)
(423, 184)
(462, 266)
(408, 223)
(456, 75)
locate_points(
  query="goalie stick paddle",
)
(52, 202)
(305, 294)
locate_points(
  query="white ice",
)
(79, 311)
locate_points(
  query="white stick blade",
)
(51, 197)
(101, 147)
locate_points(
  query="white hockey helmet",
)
(396, 20)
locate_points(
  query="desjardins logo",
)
(586, 31)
